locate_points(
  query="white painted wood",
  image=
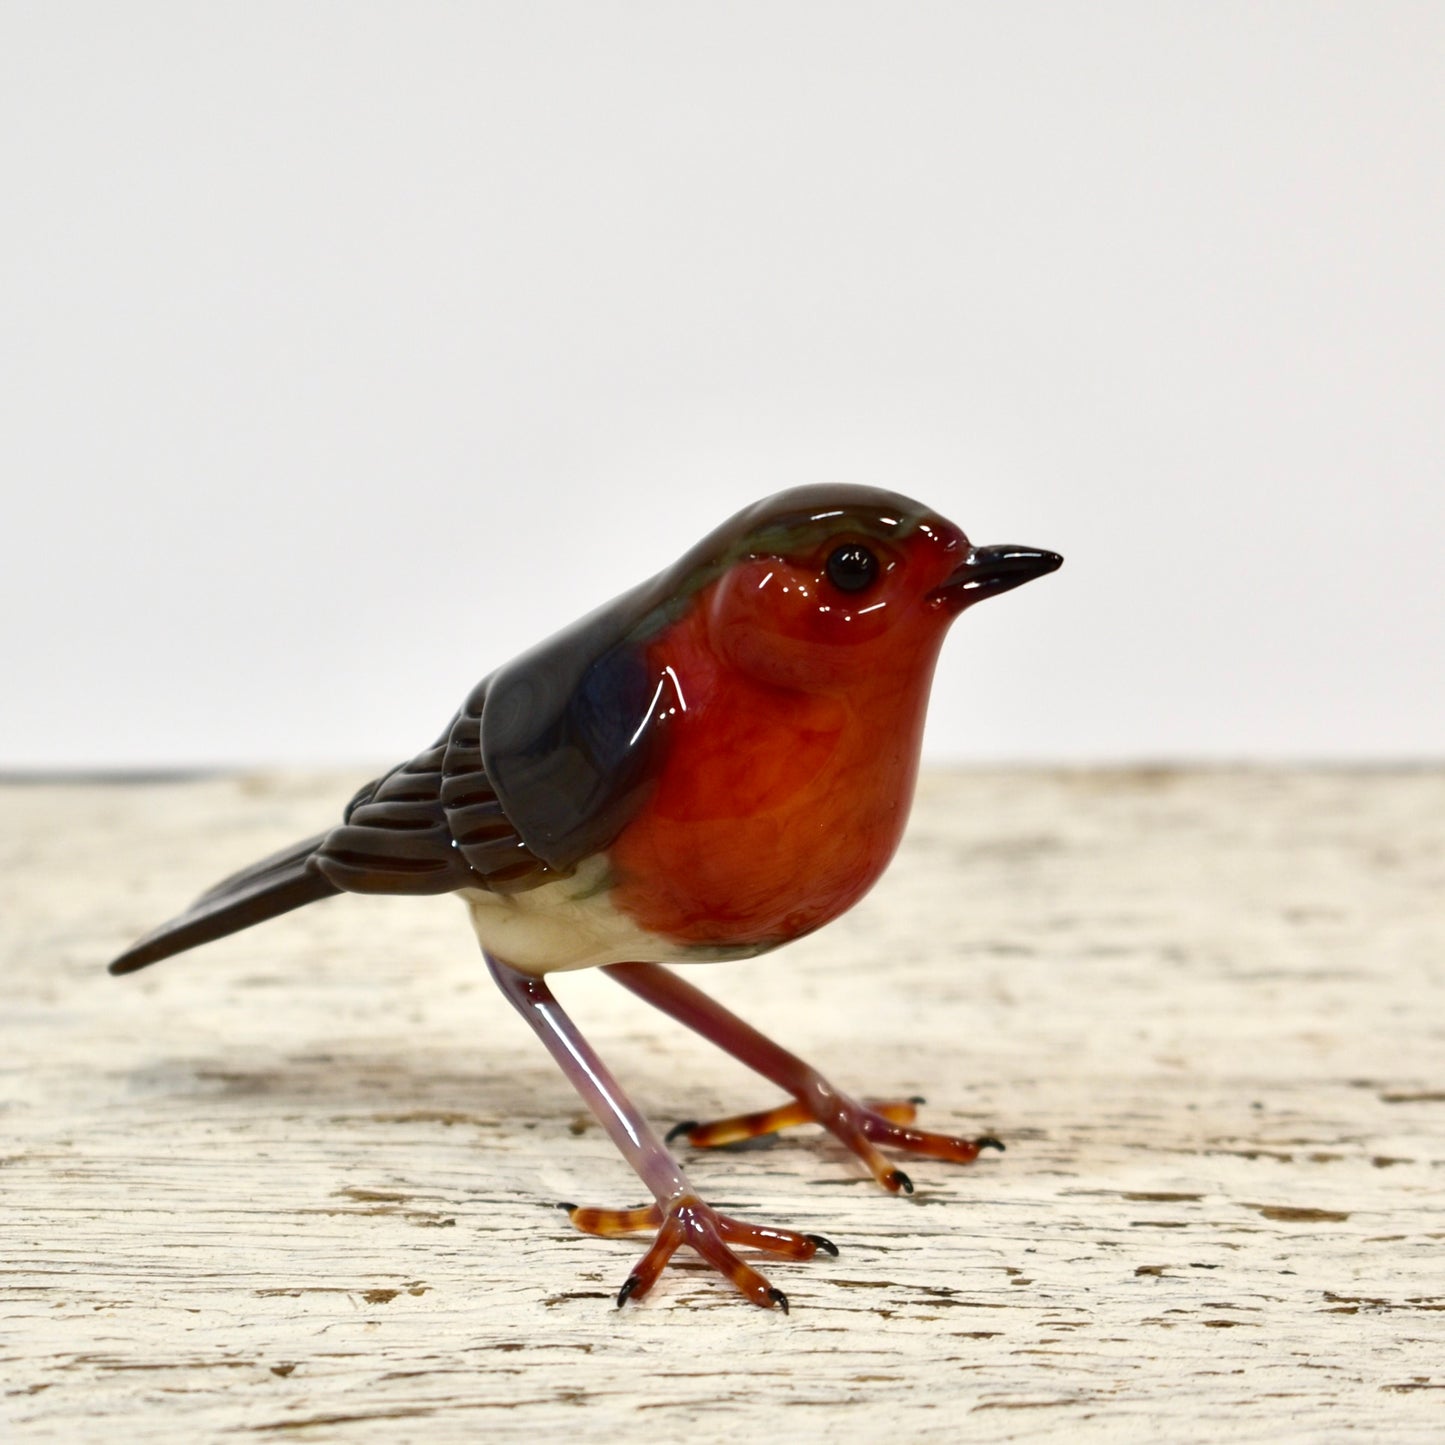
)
(299, 1182)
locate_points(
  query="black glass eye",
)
(852, 567)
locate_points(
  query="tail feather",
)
(254, 874)
(275, 885)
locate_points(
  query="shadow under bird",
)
(714, 763)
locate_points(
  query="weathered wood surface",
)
(300, 1182)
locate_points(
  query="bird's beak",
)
(986, 571)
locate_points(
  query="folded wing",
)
(431, 825)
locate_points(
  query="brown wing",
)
(432, 825)
(428, 826)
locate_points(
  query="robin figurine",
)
(711, 765)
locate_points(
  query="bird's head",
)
(831, 584)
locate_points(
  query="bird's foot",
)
(687, 1220)
(859, 1125)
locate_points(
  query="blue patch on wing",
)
(565, 736)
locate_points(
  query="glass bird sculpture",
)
(711, 765)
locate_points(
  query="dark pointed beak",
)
(986, 571)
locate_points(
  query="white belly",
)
(573, 924)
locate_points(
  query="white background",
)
(346, 349)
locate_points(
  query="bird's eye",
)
(852, 567)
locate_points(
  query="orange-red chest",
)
(774, 809)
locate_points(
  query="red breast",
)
(792, 715)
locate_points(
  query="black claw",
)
(625, 1293)
(779, 1299)
(903, 1182)
(567, 1206)
(918, 1099)
(686, 1127)
(989, 1142)
(823, 1243)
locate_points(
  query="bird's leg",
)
(859, 1126)
(679, 1216)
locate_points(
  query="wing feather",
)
(432, 825)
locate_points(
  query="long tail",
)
(275, 885)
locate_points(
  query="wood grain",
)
(300, 1183)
